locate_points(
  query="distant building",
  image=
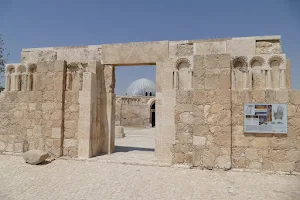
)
(141, 87)
(137, 107)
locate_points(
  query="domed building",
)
(141, 87)
(137, 107)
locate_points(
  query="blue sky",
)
(37, 23)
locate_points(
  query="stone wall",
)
(34, 119)
(68, 108)
(133, 111)
(203, 115)
(274, 152)
(70, 54)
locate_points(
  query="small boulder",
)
(35, 157)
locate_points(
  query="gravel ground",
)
(133, 173)
(71, 179)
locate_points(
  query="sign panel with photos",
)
(265, 118)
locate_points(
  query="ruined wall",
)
(200, 91)
(203, 115)
(273, 152)
(132, 111)
(32, 117)
(92, 119)
(206, 111)
(74, 81)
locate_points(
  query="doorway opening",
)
(135, 90)
(153, 115)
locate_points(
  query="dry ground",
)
(103, 178)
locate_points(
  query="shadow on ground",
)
(127, 149)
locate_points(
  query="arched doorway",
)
(152, 114)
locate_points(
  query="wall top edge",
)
(270, 37)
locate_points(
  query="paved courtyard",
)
(132, 173)
(137, 147)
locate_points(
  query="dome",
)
(141, 87)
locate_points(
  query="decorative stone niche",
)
(182, 74)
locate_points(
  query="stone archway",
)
(151, 104)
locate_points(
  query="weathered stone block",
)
(18, 147)
(199, 72)
(278, 97)
(184, 138)
(199, 97)
(2, 145)
(222, 139)
(183, 127)
(285, 167)
(293, 155)
(179, 157)
(135, 53)
(238, 46)
(79, 53)
(56, 133)
(217, 61)
(200, 130)
(237, 130)
(35, 157)
(260, 142)
(251, 154)
(197, 157)
(70, 143)
(277, 156)
(223, 162)
(255, 165)
(280, 143)
(184, 97)
(38, 56)
(297, 166)
(292, 109)
(208, 159)
(163, 151)
(222, 96)
(224, 81)
(199, 140)
(184, 50)
(187, 117)
(240, 141)
(295, 97)
(211, 82)
(206, 48)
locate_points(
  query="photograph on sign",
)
(265, 118)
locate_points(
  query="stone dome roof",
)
(141, 87)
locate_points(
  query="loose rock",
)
(35, 157)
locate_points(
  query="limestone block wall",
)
(106, 103)
(57, 107)
(74, 84)
(132, 111)
(273, 152)
(70, 54)
(200, 91)
(165, 101)
(20, 121)
(203, 115)
(93, 119)
(33, 118)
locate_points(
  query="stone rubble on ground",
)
(35, 157)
